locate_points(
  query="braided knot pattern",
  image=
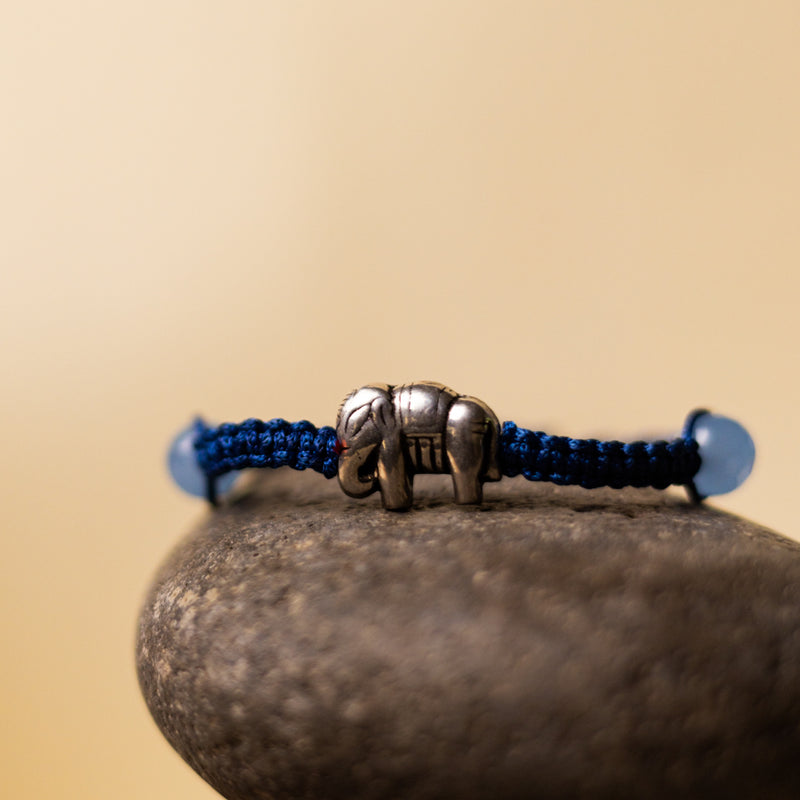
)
(276, 443)
(592, 463)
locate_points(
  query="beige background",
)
(584, 213)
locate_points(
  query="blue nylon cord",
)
(592, 463)
(276, 443)
(535, 455)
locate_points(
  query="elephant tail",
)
(492, 450)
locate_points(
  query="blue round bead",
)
(726, 451)
(186, 472)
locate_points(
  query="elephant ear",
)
(357, 419)
(383, 412)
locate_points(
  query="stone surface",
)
(555, 643)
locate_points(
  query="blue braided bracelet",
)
(387, 434)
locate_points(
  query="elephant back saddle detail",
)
(390, 433)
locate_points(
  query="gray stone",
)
(554, 643)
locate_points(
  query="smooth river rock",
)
(554, 643)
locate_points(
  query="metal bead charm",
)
(389, 434)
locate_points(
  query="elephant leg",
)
(393, 477)
(465, 434)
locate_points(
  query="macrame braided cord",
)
(537, 456)
(591, 463)
(276, 443)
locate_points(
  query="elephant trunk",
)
(355, 480)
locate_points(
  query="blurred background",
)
(585, 214)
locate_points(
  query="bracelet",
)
(385, 435)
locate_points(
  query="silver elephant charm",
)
(388, 434)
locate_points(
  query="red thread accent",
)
(339, 446)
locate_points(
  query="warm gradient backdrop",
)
(585, 213)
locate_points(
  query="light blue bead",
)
(727, 453)
(186, 472)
